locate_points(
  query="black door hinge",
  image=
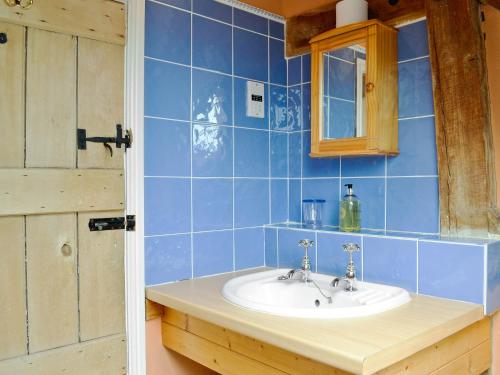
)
(113, 223)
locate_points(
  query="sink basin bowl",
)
(262, 291)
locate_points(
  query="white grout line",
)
(316, 250)
(191, 146)
(485, 276)
(417, 265)
(277, 249)
(413, 59)
(385, 193)
(362, 258)
(233, 139)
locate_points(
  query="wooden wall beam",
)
(493, 3)
(463, 131)
(300, 29)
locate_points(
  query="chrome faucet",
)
(349, 278)
(304, 272)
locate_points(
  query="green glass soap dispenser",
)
(350, 212)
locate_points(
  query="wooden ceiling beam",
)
(300, 29)
(493, 3)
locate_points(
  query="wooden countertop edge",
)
(344, 360)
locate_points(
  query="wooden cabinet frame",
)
(381, 98)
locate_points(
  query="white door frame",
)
(134, 173)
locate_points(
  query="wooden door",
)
(61, 285)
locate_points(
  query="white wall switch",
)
(255, 99)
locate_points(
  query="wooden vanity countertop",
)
(359, 345)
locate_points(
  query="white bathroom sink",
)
(262, 291)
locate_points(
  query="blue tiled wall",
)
(208, 167)
(397, 193)
(460, 269)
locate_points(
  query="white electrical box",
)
(255, 99)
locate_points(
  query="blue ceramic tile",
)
(451, 271)
(250, 21)
(211, 45)
(318, 167)
(294, 71)
(167, 90)
(342, 119)
(413, 204)
(493, 291)
(294, 108)
(212, 151)
(363, 166)
(306, 68)
(249, 248)
(415, 89)
(327, 189)
(306, 106)
(213, 9)
(167, 207)
(343, 79)
(279, 201)
(346, 54)
(294, 201)
(166, 148)
(212, 253)
(332, 259)
(279, 157)
(371, 192)
(240, 107)
(290, 253)
(277, 62)
(184, 4)
(271, 246)
(412, 41)
(417, 149)
(167, 258)
(390, 261)
(212, 204)
(294, 154)
(251, 153)
(278, 110)
(212, 97)
(167, 33)
(277, 30)
(251, 202)
(250, 55)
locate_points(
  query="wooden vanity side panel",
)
(465, 352)
(270, 355)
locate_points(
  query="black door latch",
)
(119, 140)
(113, 223)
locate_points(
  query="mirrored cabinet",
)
(354, 83)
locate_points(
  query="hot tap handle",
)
(351, 247)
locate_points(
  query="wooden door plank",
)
(106, 356)
(51, 281)
(50, 100)
(12, 55)
(102, 279)
(12, 288)
(95, 19)
(100, 100)
(44, 190)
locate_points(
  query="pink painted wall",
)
(161, 361)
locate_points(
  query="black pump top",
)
(349, 186)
